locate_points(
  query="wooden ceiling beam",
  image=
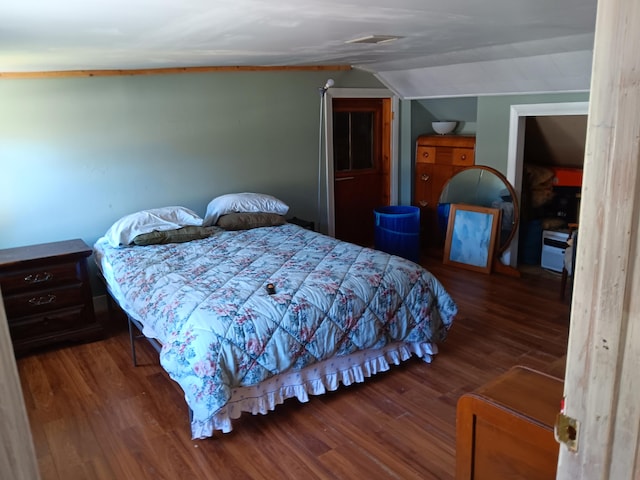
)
(170, 71)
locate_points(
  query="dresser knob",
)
(37, 301)
(425, 154)
(424, 177)
(38, 277)
(463, 156)
(423, 203)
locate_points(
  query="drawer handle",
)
(423, 203)
(424, 177)
(36, 301)
(425, 154)
(463, 156)
(343, 179)
(38, 277)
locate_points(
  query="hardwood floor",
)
(95, 416)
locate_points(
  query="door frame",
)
(328, 146)
(515, 155)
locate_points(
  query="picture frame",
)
(471, 237)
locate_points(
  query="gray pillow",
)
(179, 235)
(246, 221)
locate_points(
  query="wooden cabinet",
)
(504, 430)
(47, 294)
(438, 158)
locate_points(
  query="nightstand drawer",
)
(55, 322)
(29, 303)
(40, 278)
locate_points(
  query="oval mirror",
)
(484, 187)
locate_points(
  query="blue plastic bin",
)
(397, 231)
(530, 243)
(443, 217)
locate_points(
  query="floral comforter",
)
(207, 303)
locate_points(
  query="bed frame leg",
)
(132, 340)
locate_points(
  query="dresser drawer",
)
(438, 157)
(40, 278)
(448, 156)
(423, 194)
(425, 154)
(30, 303)
(54, 322)
(463, 156)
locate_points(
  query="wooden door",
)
(602, 385)
(361, 153)
(17, 455)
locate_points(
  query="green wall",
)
(463, 110)
(76, 154)
(492, 124)
(415, 120)
(485, 117)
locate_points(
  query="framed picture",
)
(471, 237)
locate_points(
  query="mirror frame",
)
(500, 249)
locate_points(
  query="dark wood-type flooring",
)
(95, 416)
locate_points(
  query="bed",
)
(246, 318)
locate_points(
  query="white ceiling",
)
(456, 47)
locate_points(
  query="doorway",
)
(388, 157)
(515, 159)
(360, 166)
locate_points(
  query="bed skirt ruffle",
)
(316, 379)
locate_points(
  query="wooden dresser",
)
(504, 430)
(438, 158)
(47, 294)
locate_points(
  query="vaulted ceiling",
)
(427, 48)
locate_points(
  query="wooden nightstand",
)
(505, 428)
(302, 223)
(47, 294)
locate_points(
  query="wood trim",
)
(169, 71)
(17, 455)
(602, 385)
(387, 120)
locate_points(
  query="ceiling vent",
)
(374, 39)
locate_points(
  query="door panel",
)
(361, 171)
(356, 197)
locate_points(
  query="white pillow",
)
(241, 203)
(130, 226)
